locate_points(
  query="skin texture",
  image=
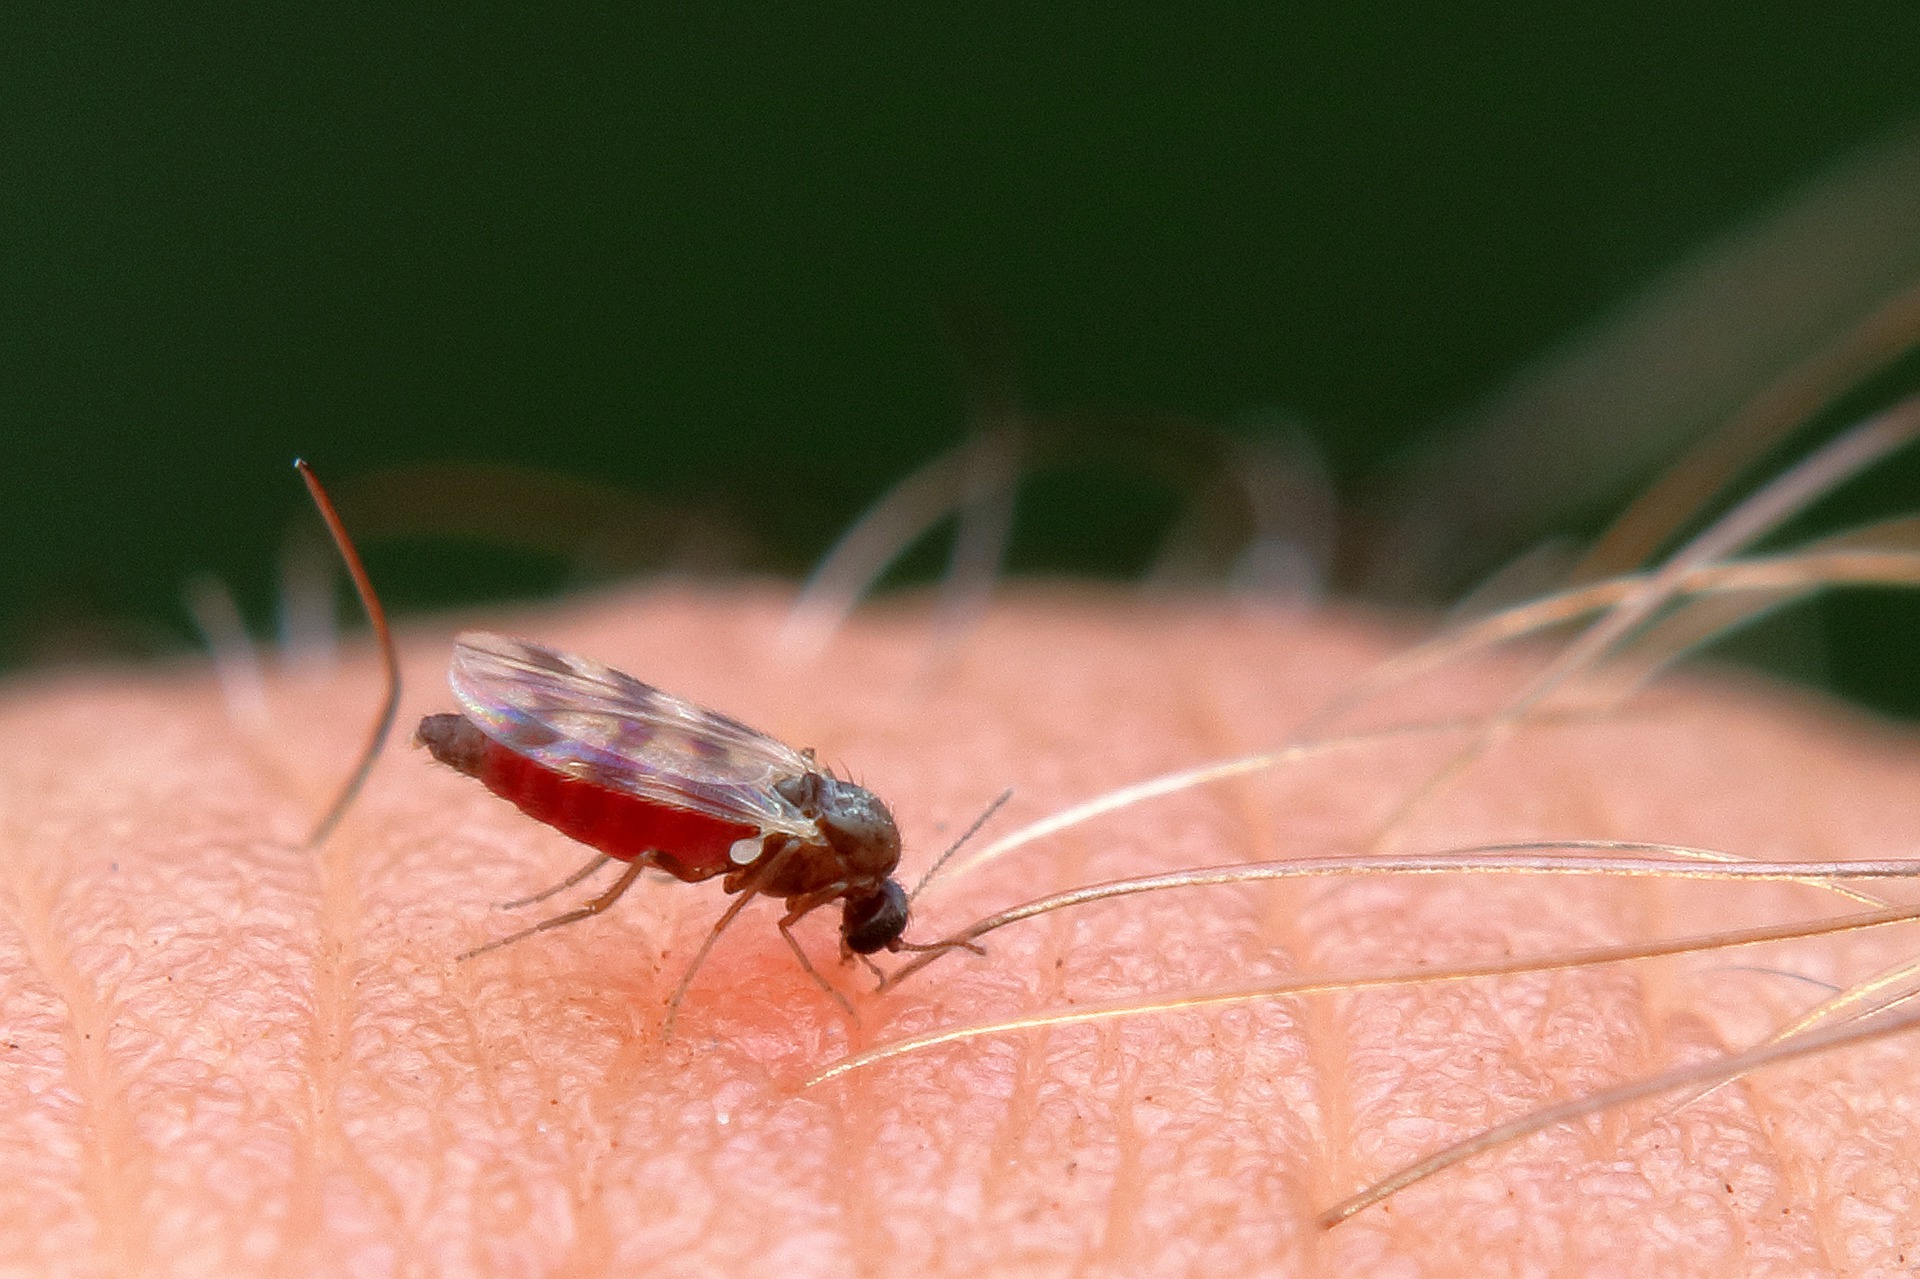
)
(225, 1056)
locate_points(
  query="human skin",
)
(225, 1055)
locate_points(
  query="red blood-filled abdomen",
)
(689, 845)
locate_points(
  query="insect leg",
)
(592, 908)
(786, 930)
(747, 887)
(560, 887)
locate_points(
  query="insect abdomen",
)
(688, 845)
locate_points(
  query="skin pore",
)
(226, 1055)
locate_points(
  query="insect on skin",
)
(654, 781)
(651, 780)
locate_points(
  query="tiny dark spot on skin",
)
(1729, 1186)
(116, 867)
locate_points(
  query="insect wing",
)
(597, 724)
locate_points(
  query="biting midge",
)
(655, 780)
(652, 780)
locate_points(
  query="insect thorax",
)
(852, 820)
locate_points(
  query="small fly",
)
(656, 782)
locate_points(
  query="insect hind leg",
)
(592, 908)
(560, 887)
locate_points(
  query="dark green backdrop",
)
(720, 260)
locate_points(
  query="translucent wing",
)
(592, 722)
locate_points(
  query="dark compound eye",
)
(868, 924)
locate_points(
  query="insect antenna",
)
(955, 846)
(929, 949)
(389, 657)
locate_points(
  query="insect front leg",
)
(799, 908)
(879, 973)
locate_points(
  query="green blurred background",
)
(746, 265)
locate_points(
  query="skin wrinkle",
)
(865, 1219)
(92, 1041)
(1114, 1238)
(1023, 1115)
(1018, 1118)
(1249, 832)
(631, 1171)
(1277, 920)
(325, 1144)
(110, 1154)
(128, 1103)
(1761, 1131)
